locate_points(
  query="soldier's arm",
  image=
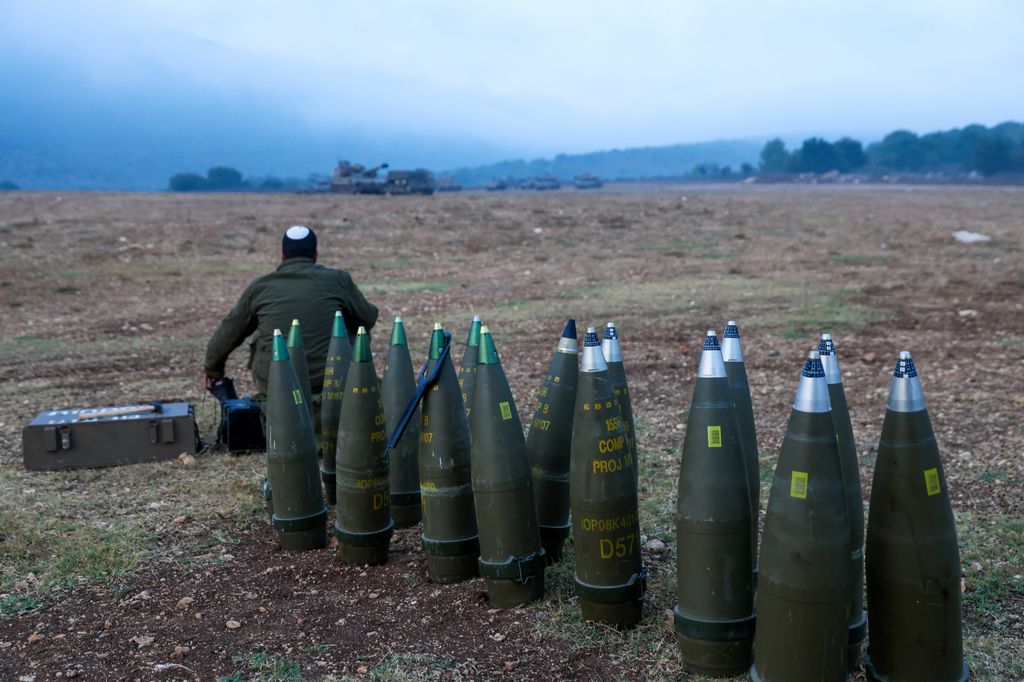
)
(358, 311)
(232, 331)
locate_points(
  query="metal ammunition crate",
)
(78, 438)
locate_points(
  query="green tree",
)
(187, 182)
(774, 156)
(849, 154)
(223, 177)
(991, 155)
(7, 186)
(816, 156)
(900, 150)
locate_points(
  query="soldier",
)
(299, 289)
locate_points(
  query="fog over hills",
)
(121, 94)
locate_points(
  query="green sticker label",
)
(297, 396)
(506, 411)
(714, 436)
(798, 485)
(931, 482)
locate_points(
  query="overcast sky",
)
(545, 76)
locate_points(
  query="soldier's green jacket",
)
(298, 289)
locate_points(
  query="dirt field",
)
(136, 572)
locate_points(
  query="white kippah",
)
(297, 232)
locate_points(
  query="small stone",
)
(187, 460)
(142, 640)
(263, 609)
(179, 653)
(198, 615)
(178, 520)
(184, 603)
(967, 312)
(362, 670)
(655, 546)
(374, 595)
(232, 625)
(35, 637)
(510, 666)
(107, 625)
(870, 358)
(498, 637)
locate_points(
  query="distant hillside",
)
(622, 164)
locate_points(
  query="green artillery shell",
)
(300, 516)
(449, 537)
(511, 558)
(397, 387)
(339, 357)
(854, 500)
(549, 444)
(736, 370)
(610, 579)
(612, 351)
(297, 355)
(467, 370)
(803, 590)
(714, 620)
(363, 522)
(912, 562)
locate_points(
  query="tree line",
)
(228, 179)
(975, 148)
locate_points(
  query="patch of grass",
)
(316, 649)
(53, 549)
(408, 667)
(1010, 343)
(992, 553)
(66, 289)
(815, 309)
(37, 348)
(100, 524)
(16, 604)
(401, 286)
(271, 668)
(860, 259)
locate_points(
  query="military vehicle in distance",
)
(587, 181)
(355, 178)
(419, 181)
(496, 186)
(544, 182)
(448, 184)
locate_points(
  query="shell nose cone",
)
(593, 358)
(812, 391)
(905, 366)
(712, 365)
(567, 343)
(732, 350)
(610, 344)
(829, 359)
(905, 392)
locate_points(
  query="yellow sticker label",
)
(714, 436)
(798, 485)
(506, 411)
(931, 482)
